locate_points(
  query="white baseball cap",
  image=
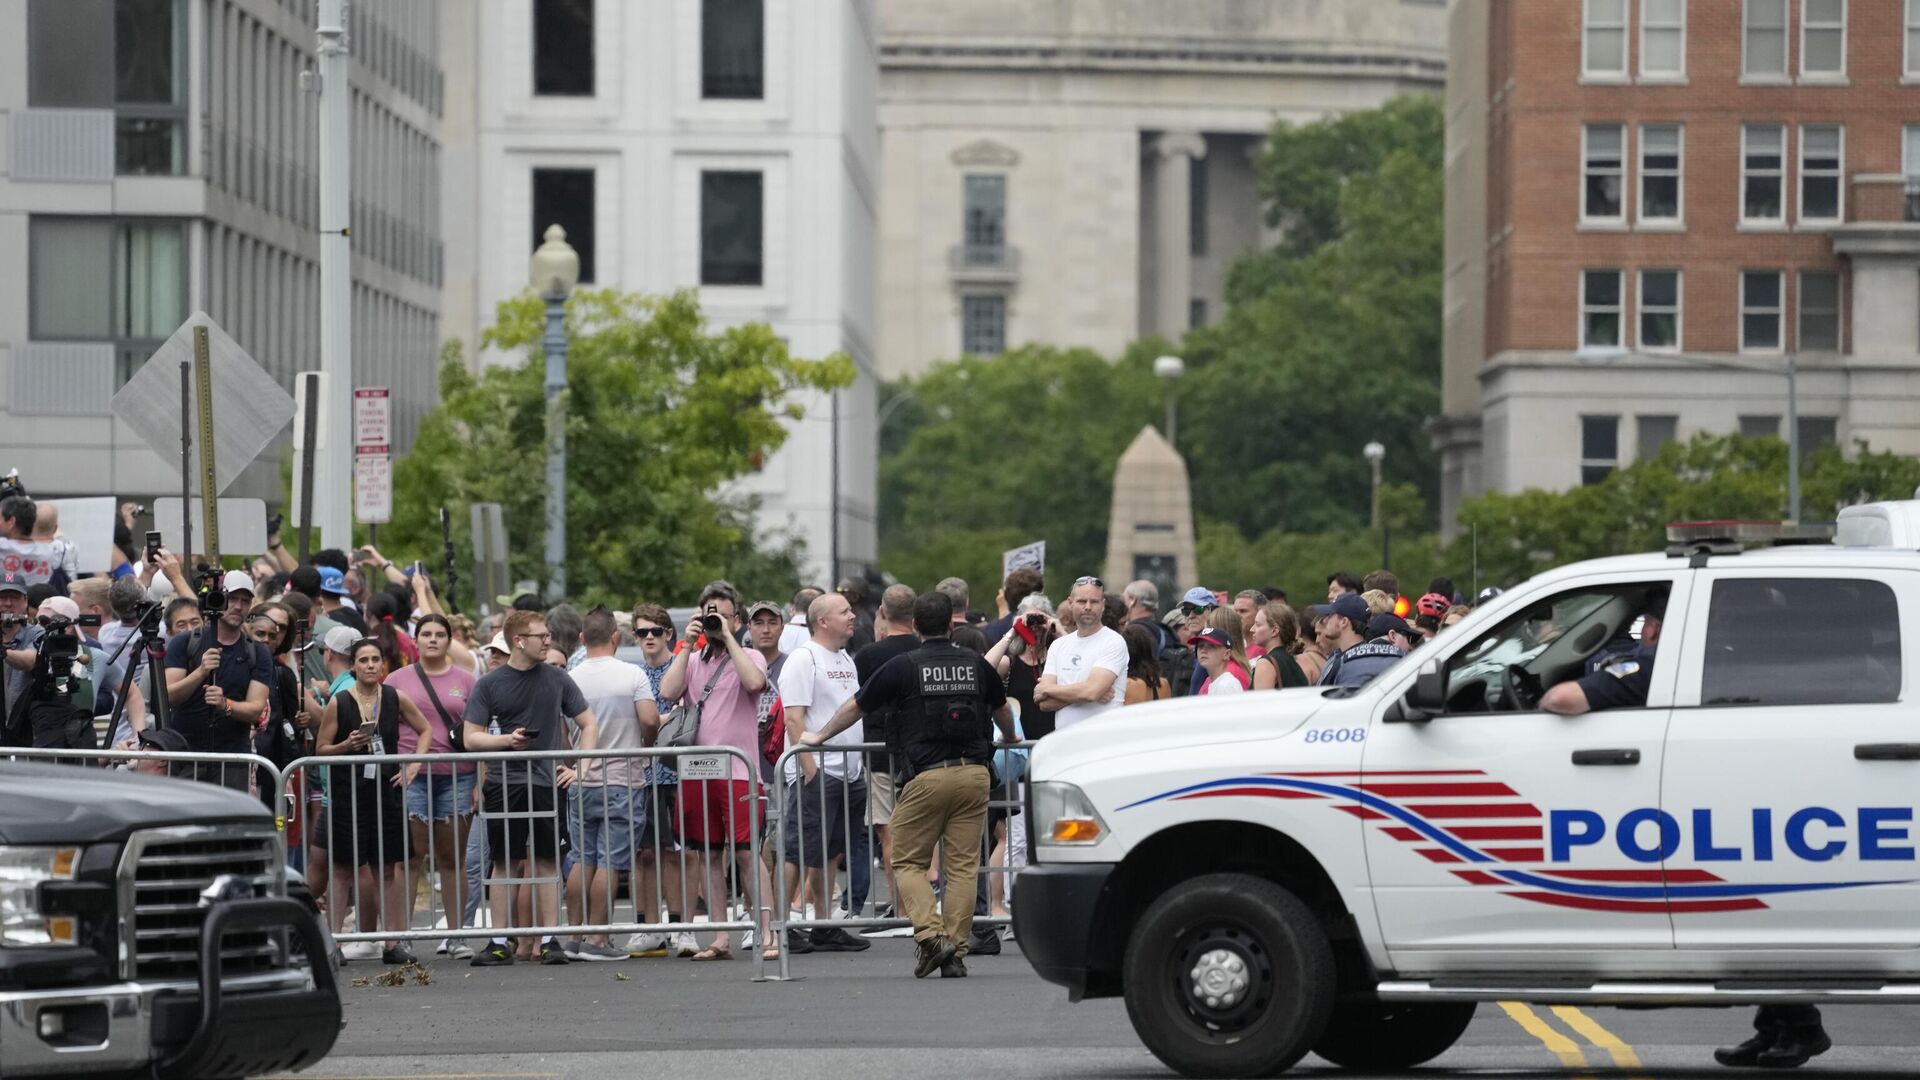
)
(499, 645)
(237, 581)
(62, 606)
(341, 640)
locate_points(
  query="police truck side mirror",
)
(1427, 698)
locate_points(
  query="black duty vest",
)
(943, 714)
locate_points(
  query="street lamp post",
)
(1171, 368)
(556, 270)
(1375, 454)
(1790, 372)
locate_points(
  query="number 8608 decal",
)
(1351, 734)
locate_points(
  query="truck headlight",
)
(22, 871)
(1064, 816)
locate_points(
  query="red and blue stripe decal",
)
(1455, 832)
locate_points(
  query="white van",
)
(1349, 871)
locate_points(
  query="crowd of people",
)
(351, 655)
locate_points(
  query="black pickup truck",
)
(146, 929)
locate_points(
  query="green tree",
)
(662, 413)
(987, 453)
(1710, 478)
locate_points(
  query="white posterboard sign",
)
(243, 525)
(1031, 556)
(88, 525)
(372, 488)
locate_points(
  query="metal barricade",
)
(244, 773)
(821, 825)
(391, 822)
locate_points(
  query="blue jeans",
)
(477, 859)
(604, 824)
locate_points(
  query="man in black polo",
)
(942, 697)
(217, 684)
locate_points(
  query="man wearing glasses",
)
(1086, 672)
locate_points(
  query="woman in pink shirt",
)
(442, 798)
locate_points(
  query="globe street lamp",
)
(556, 270)
(1171, 368)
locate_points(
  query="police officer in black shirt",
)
(942, 697)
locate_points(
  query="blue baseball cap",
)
(333, 581)
(1201, 596)
(1352, 607)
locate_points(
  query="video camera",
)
(59, 652)
(10, 484)
(213, 598)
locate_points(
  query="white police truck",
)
(1349, 871)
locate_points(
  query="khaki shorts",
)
(882, 793)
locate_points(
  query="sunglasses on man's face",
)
(1190, 610)
(651, 631)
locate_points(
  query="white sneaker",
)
(360, 950)
(460, 950)
(746, 940)
(683, 945)
(647, 945)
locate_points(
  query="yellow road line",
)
(1590, 1029)
(1562, 1047)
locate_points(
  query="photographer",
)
(218, 680)
(55, 705)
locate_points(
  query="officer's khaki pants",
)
(940, 805)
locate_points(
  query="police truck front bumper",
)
(1055, 909)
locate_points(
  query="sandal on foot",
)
(713, 953)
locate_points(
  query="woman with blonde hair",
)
(1277, 630)
(1235, 662)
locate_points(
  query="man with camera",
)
(218, 680)
(51, 704)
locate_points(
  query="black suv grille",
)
(169, 876)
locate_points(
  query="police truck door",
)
(1493, 844)
(1793, 767)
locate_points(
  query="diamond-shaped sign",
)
(250, 409)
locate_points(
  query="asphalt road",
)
(865, 1015)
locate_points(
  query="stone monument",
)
(1150, 532)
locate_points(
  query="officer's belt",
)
(950, 763)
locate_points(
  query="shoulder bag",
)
(682, 725)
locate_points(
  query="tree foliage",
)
(663, 412)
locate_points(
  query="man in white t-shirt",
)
(605, 809)
(818, 678)
(1086, 672)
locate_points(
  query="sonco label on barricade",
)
(704, 767)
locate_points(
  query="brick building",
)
(1643, 197)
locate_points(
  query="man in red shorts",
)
(715, 815)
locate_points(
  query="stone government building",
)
(1080, 172)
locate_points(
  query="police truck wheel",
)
(1229, 975)
(1389, 1035)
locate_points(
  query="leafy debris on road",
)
(617, 977)
(398, 976)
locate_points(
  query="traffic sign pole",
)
(209, 480)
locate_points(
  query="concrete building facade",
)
(158, 157)
(727, 146)
(1080, 172)
(1654, 205)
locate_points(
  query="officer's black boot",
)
(1795, 1048)
(931, 954)
(1747, 1054)
(955, 968)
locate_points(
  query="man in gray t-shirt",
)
(525, 705)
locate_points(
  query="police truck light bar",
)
(1731, 537)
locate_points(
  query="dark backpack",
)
(1176, 666)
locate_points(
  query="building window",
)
(1603, 167)
(563, 48)
(1823, 39)
(1599, 447)
(1821, 148)
(1197, 205)
(1196, 312)
(1653, 432)
(1605, 38)
(1660, 151)
(731, 228)
(1910, 159)
(1600, 309)
(1818, 433)
(983, 325)
(1760, 311)
(1663, 38)
(733, 50)
(1762, 172)
(96, 279)
(1913, 37)
(1760, 427)
(145, 86)
(1660, 310)
(1764, 44)
(1819, 311)
(564, 197)
(984, 221)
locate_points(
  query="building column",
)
(1173, 155)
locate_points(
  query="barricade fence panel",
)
(829, 845)
(610, 852)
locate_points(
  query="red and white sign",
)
(372, 416)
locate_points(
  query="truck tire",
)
(1375, 1035)
(1229, 975)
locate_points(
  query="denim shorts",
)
(605, 824)
(439, 798)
